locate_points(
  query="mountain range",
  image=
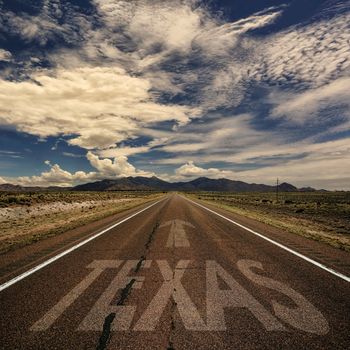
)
(200, 184)
(156, 184)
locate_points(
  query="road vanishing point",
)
(175, 274)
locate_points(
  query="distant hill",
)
(125, 183)
(200, 184)
(10, 188)
(141, 183)
(17, 188)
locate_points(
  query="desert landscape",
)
(27, 217)
(174, 174)
(321, 216)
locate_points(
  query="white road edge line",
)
(316, 263)
(58, 256)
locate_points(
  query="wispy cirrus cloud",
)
(312, 167)
(306, 106)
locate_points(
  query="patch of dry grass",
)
(48, 214)
(321, 216)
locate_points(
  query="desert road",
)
(176, 274)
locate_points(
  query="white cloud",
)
(312, 169)
(215, 137)
(159, 32)
(307, 55)
(53, 21)
(123, 151)
(301, 107)
(38, 28)
(102, 106)
(219, 39)
(72, 155)
(56, 176)
(170, 25)
(191, 171)
(127, 55)
(120, 167)
(5, 55)
(328, 170)
(2, 181)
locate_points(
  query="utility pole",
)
(277, 190)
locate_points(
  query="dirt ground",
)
(321, 216)
(26, 219)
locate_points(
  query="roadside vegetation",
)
(322, 216)
(32, 216)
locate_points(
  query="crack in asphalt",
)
(172, 326)
(172, 310)
(139, 264)
(150, 238)
(107, 325)
(106, 332)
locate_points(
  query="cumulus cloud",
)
(101, 106)
(56, 176)
(119, 167)
(191, 171)
(105, 168)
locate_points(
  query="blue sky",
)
(247, 90)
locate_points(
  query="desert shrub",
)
(12, 200)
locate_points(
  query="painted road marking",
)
(177, 235)
(51, 260)
(304, 316)
(98, 267)
(171, 288)
(304, 257)
(123, 314)
(235, 297)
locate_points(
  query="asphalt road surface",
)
(178, 276)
